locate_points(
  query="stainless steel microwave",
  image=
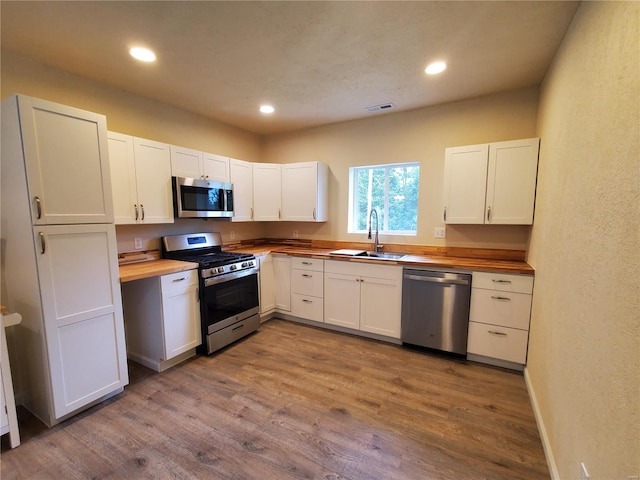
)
(197, 198)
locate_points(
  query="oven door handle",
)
(229, 276)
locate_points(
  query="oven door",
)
(229, 299)
(195, 198)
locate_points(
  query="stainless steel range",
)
(229, 300)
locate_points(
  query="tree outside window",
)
(392, 190)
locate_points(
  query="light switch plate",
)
(440, 232)
(137, 243)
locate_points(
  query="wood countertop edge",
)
(458, 263)
(153, 268)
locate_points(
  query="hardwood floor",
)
(293, 401)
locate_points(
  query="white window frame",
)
(383, 229)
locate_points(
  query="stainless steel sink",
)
(383, 255)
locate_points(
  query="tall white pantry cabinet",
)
(60, 268)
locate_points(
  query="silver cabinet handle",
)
(38, 207)
(314, 213)
(142, 209)
(500, 281)
(500, 298)
(306, 275)
(307, 263)
(179, 279)
(307, 301)
(42, 243)
(251, 213)
(489, 213)
(279, 214)
(445, 214)
(500, 334)
(136, 207)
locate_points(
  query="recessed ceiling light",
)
(435, 67)
(142, 54)
(267, 109)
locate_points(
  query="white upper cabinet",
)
(216, 167)
(267, 187)
(491, 183)
(305, 195)
(242, 179)
(67, 163)
(141, 179)
(189, 163)
(186, 162)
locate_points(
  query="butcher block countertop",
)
(153, 268)
(416, 260)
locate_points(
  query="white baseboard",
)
(551, 463)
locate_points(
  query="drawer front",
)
(307, 282)
(307, 264)
(498, 342)
(503, 282)
(178, 280)
(500, 308)
(362, 269)
(305, 306)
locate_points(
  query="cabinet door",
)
(153, 176)
(300, 192)
(464, 190)
(180, 313)
(82, 308)
(186, 162)
(511, 182)
(67, 163)
(342, 300)
(267, 285)
(216, 167)
(242, 179)
(123, 178)
(282, 276)
(380, 306)
(267, 181)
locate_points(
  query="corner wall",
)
(584, 358)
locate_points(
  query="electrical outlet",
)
(137, 243)
(584, 475)
(232, 234)
(295, 234)
(440, 232)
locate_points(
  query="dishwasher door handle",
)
(452, 281)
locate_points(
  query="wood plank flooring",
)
(296, 402)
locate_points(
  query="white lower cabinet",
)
(267, 285)
(282, 279)
(307, 292)
(499, 318)
(363, 297)
(162, 319)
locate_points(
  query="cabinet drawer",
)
(498, 342)
(503, 282)
(307, 282)
(305, 306)
(178, 280)
(500, 308)
(314, 264)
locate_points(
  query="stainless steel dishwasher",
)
(435, 309)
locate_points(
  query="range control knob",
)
(245, 264)
(233, 267)
(220, 270)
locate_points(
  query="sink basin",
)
(383, 255)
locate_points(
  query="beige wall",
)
(141, 117)
(584, 357)
(419, 135)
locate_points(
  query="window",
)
(392, 190)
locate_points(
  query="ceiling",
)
(316, 62)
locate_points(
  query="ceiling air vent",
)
(377, 108)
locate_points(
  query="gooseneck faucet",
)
(375, 238)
